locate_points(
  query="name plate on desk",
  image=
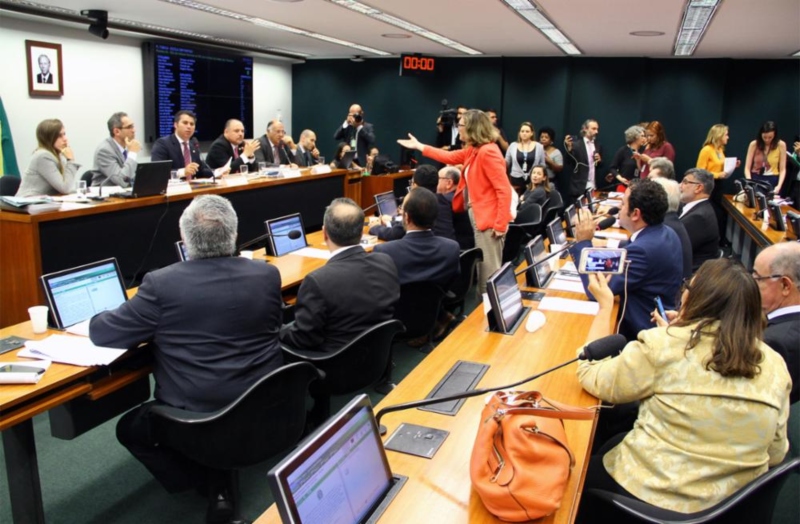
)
(320, 169)
(237, 180)
(179, 188)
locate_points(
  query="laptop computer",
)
(339, 473)
(387, 203)
(557, 235)
(540, 275)
(279, 242)
(75, 295)
(570, 219)
(152, 178)
(505, 298)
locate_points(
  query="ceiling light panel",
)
(532, 13)
(697, 17)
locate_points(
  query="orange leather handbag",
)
(521, 461)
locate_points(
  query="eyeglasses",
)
(759, 278)
(686, 284)
(129, 126)
(684, 181)
(443, 178)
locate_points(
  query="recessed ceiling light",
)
(647, 33)
(357, 58)
(395, 35)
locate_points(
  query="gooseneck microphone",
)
(606, 223)
(596, 350)
(293, 234)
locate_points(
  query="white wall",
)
(100, 78)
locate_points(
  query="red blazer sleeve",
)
(447, 157)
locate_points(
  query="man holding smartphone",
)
(654, 256)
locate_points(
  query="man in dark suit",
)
(182, 149)
(307, 153)
(584, 158)
(45, 76)
(421, 256)
(214, 324)
(698, 215)
(448, 182)
(777, 273)
(232, 146)
(654, 255)
(424, 176)
(672, 220)
(353, 291)
(357, 133)
(273, 150)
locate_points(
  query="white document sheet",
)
(313, 252)
(78, 351)
(569, 305)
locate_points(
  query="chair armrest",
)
(181, 415)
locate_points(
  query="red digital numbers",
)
(414, 63)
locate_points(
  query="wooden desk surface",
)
(439, 490)
(754, 227)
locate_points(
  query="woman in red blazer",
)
(483, 188)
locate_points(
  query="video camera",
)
(447, 116)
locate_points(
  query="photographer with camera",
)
(357, 133)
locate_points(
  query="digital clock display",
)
(417, 65)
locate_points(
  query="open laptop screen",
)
(79, 293)
(387, 203)
(279, 229)
(339, 474)
(505, 297)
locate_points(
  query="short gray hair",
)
(344, 222)
(786, 261)
(452, 173)
(115, 122)
(664, 165)
(208, 227)
(673, 190)
(704, 177)
(633, 133)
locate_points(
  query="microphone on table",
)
(563, 248)
(599, 349)
(606, 223)
(100, 197)
(373, 206)
(293, 234)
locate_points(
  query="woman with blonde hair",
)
(714, 399)
(483, 189)
(712, 159)
(52, 169)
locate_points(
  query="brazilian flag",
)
(8, 158)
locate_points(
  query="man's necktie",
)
(187, 156)
(125, 154)
(235, 152)
(309, 161)
(276, 155)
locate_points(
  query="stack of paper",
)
(65, 349)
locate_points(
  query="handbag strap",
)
(519, 403)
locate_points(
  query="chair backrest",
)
(467, 261)
(266, 419)
(418, 307)
(87, 177)
(553, 206)
(529, 214)
(9, 185)
(359, 364)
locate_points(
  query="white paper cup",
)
(38, 318)
(246, 254)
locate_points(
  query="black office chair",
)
(9, 185)
(267, 418)
(521, 230)
(456, 295)
(551, 209)
(87, 177)
(418, 310)
(365, 361)
(755, 502)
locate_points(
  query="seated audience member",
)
(353, 291)
(273, 150)
(777, 273)
(337, 162)
(654, 255)
(714, 399)
(424, 176)
(553, 158)
(182, 148)
(661, 168)
(672, 220)
(462, 227)
(657, 147)
(52, 170)
(115, 157)
(539, 189)
(373, 153)
(698, 215)
(307, 153)
(231, 146)
(205, 356)
(422, 256)
(625, 165)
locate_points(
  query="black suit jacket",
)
(169, 148)
(578, 163)
(221, 151)
(353, 291)
(215, 325)
(265, 154)
(443, 227)
(366, 139)
(701, 225)
(303, 158)
(671, 219)
(41, 80)
(421, 256)
(783, 335)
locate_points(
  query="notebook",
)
(279, 230)
(152, 178)
(75, 295)
(340, 473)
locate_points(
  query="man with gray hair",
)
(353, 291)
(777, 273)
(661, 167)
(213, 321)
(698, 215)
(115, 157)
(671, 219)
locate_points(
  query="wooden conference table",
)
(749, 235)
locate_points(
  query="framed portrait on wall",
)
(45, 71)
